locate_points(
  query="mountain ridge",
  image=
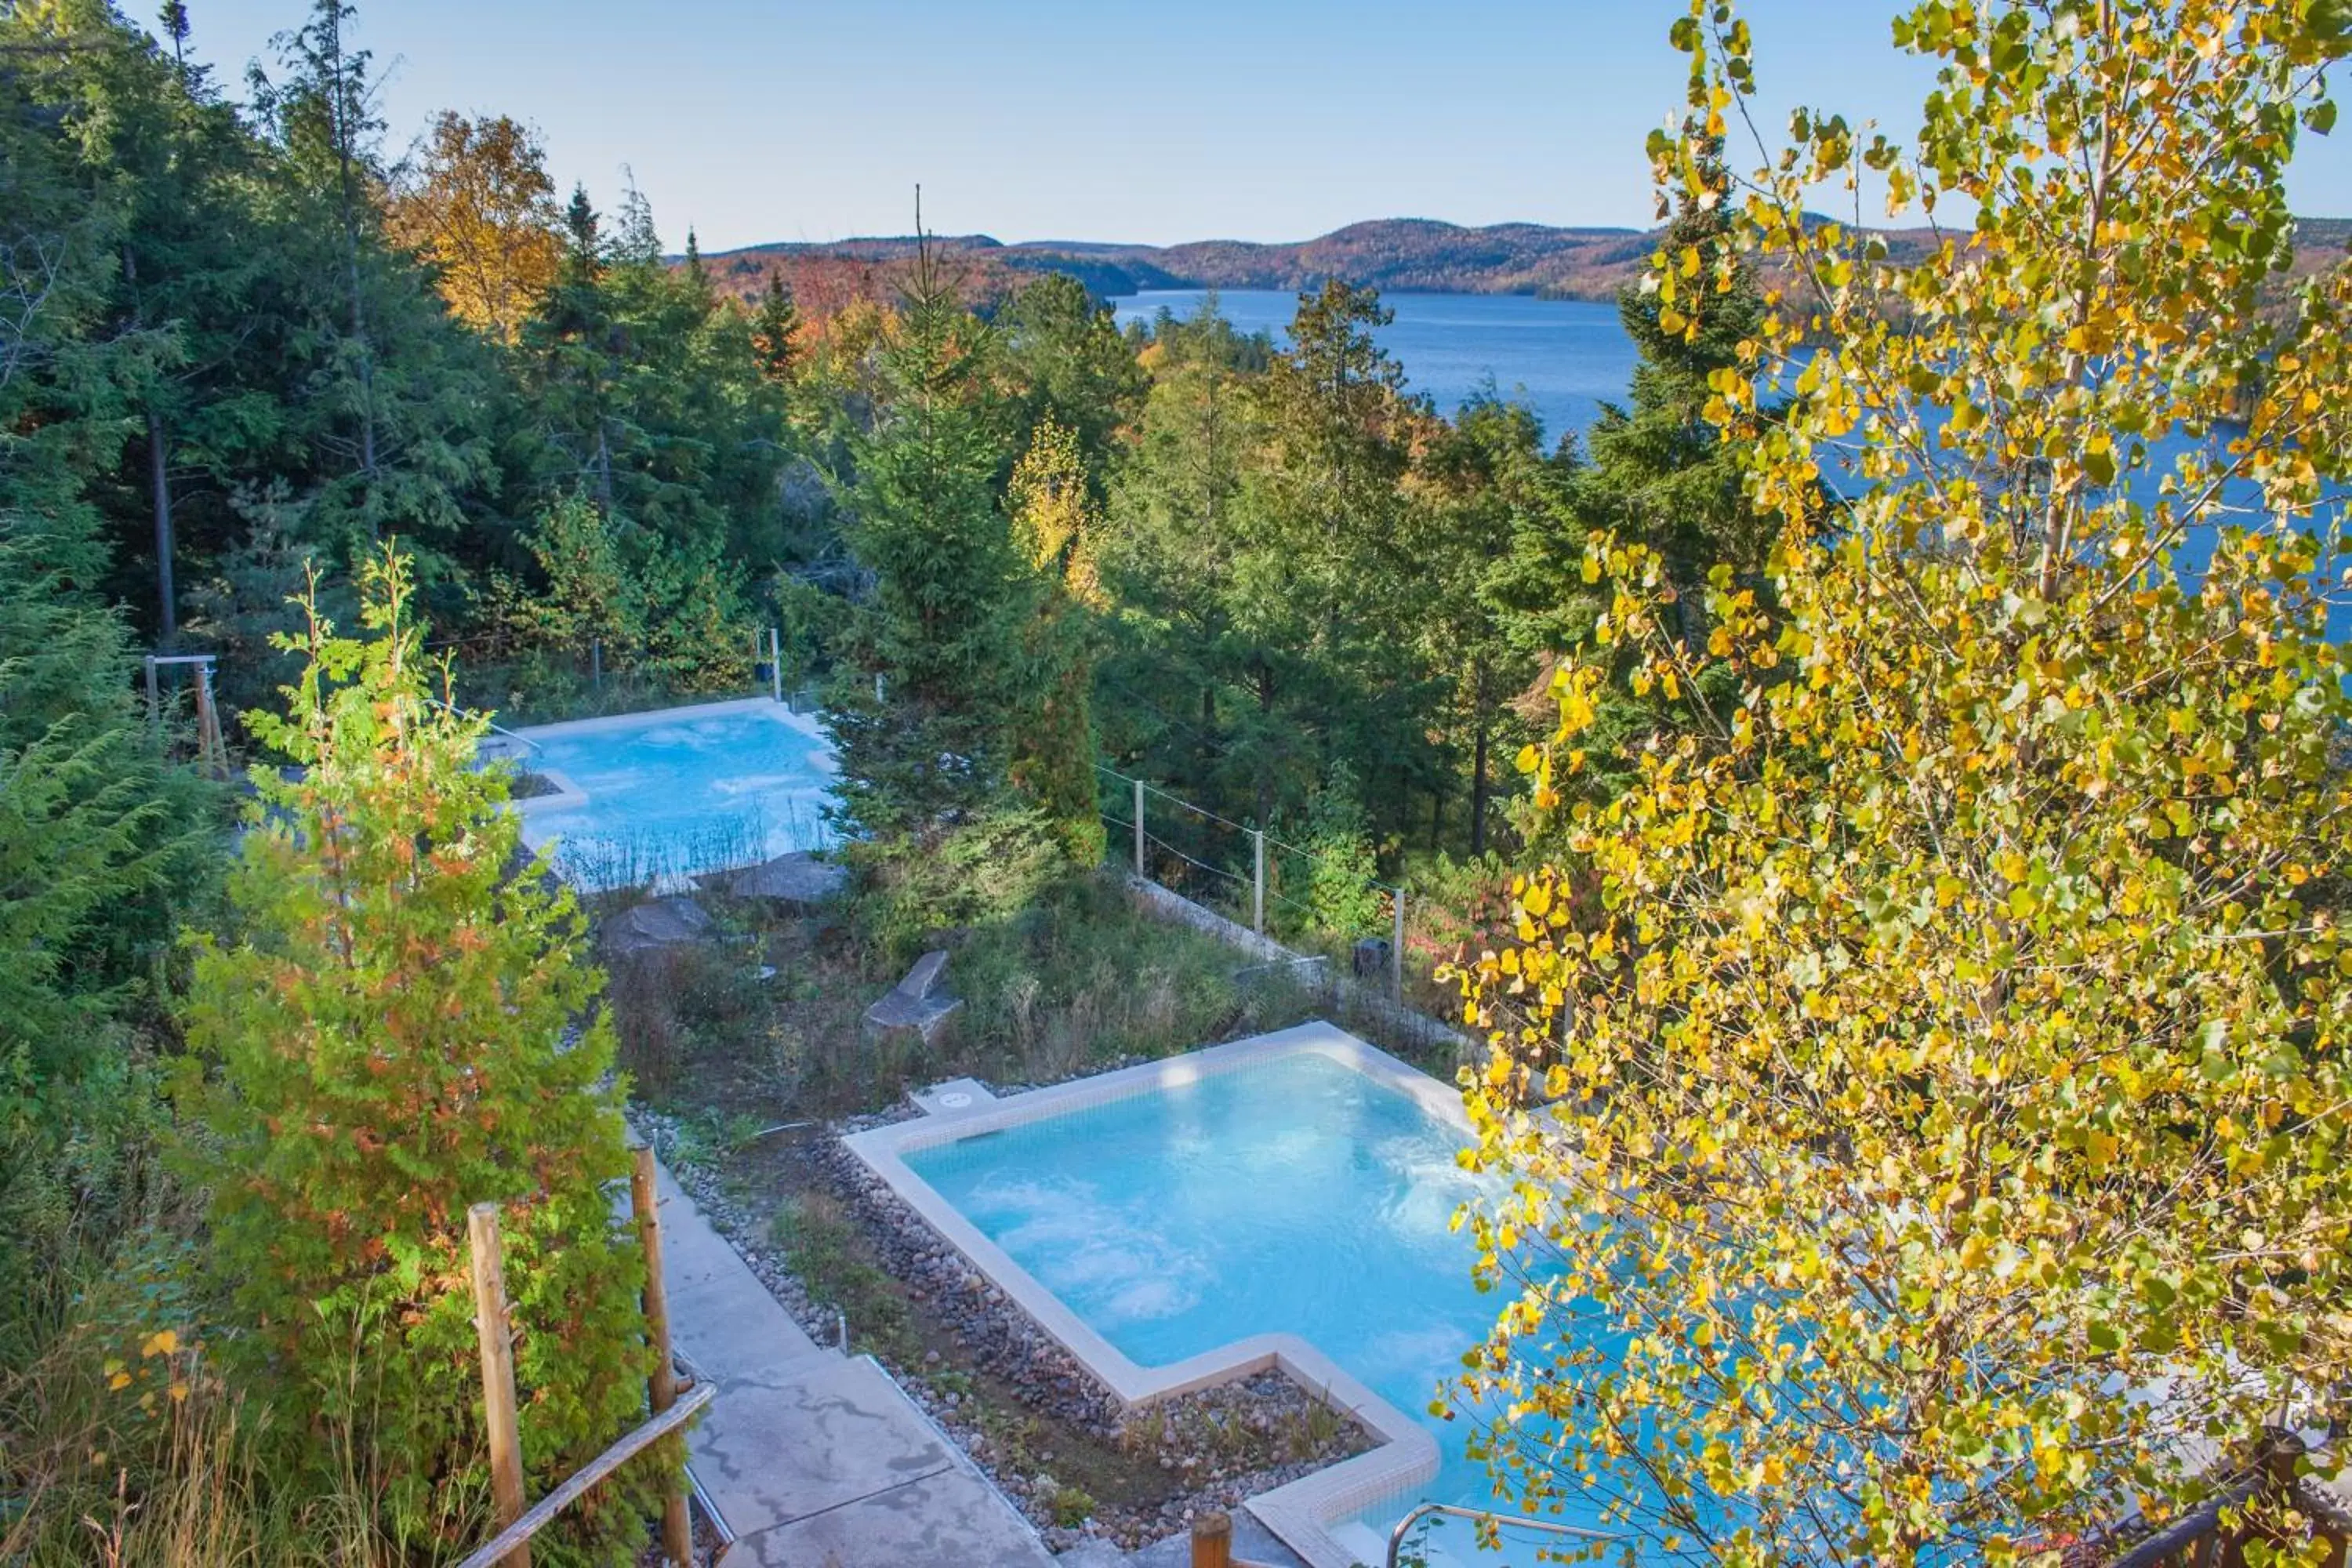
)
(1392, 255)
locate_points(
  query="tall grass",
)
(120, 1446)
(120, 1478)
(668, 860)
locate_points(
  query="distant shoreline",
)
(1416, 256)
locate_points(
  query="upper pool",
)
(663, 796)
(1303, 1188)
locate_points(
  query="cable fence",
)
(1324, 927)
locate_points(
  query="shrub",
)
(389, 1032)
(909, 889)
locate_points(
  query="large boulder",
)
(654, 927)
(919, 1005)
(799, 880)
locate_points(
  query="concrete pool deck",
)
(815, 1458)
(1300, 1513)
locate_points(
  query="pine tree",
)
(921, 719)
(393, 1027)
(773, 329)
(1661, 473)
(103, 845)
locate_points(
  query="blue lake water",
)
(1565, 358)
(1297, 1194)
(1562, 357)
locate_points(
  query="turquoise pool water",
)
(682, 790)
(1296, 1195)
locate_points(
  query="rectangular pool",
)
(666, 795)
(1298, 1187)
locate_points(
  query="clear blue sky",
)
(779, 120)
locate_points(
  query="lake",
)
(1560, 357)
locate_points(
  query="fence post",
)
(597, 663)
(154, 696)
(776, 662)
(1213, 1540)
(1396, 949)
(677, 1531)
(491, 1327)
(1138, 831)
(1257, 880)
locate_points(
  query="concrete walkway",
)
(814, 1458)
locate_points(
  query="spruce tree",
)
(921, 718)
(774, 328)
(1660, 472)
(391, 1034)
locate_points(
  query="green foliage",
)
(1342, 896)
(676, 613)
(1266, 539)
(1662, 473)
(102, 848)
(1072, 368)
(922, 711)
(1916, 1104)
(382, 1041)
(913, 890)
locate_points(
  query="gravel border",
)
(1204, 1437)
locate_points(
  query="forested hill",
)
(1392, 255)
(1389, 254)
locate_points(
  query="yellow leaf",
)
(162, 1342)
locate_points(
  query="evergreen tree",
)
(921, 719)
(1662, 473)
(384, 396)
(1332, 572)
(390, 1021)
(1486, 492)
(1072, 368)
(774, 328)
(648, 394)
(1174, 521)
(101, 842)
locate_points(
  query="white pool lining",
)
(1406, 1455)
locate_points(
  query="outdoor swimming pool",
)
(662, 796)
(1298, 1184)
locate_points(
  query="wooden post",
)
(1138, 830)
(497, 1336)
(677, 1531)
(1257, 880)
(212, 746)
(1396, 951)
(1213, 1540)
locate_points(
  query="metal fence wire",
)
(1240, 874)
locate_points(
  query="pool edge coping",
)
(1298, 1511)
(604, 723)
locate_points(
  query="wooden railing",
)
(510, 1548)
(514, 1541)
(2216, 1533)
